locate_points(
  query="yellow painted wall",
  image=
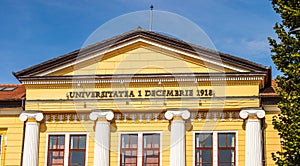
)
(60, 102)
(141, 58)
(12, 126)
(272, 140)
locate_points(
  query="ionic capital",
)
(34, 115)
(181, 113)
(259, 113)
(107, 114)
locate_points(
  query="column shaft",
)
(31, 140)
(102, 136)
(101, 152)
(177, 148)
(253, 143)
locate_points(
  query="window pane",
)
(226, 156)
(208, 140)
(61, 142)
(133, 141)
(206, 156)
(222, 140)
(74, 142)
(147, 143)
(156, 141)
(57, 142)
(203, 156)
(52, 142)
(151, 157)
(56, 158)
(231, 140)
(124, 141)
(77, 158)
(82, 142)
(129, 156)
(203, 140)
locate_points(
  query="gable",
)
(141, 58)
(141, 52)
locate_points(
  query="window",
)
(151, 152)
(215, 146)
(77, 150)
(204, 149)
(226, 149)
(7, 88)
(66, 149)
(141, 149)
(56, 149)
(129, 149)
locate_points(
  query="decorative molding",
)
(258, 112)
(183, 113)
(38, 116)
(135, 80)
(142, 117)
(107, 114)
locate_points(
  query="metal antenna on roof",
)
(151, 15)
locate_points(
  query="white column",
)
(254, 142)
(102, 136)
(177, 146)
(31, 140)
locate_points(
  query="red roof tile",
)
(14, 94)
(270, 91)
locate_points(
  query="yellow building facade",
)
(142, 98)
(11, 128)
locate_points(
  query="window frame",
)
(78, 149)
(215, 144)
(56, 149)
(3, 144)
(145, 149)
(130, 149)
(204, 148)
(227, 148)
(67, 145)
(140, 146)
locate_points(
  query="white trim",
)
(140, 145)
(215, 146)
(1, 149)
(67, 143)
(147, 42)
(141, 80)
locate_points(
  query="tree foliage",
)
(286, 56)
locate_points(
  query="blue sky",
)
(33, 31)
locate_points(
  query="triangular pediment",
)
(141, 52)
(143, 58)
